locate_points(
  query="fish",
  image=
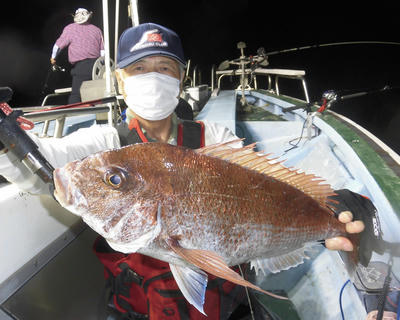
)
(201, 210)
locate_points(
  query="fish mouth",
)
(65, 192)
(61, 184)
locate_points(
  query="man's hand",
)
(342, 243)
(52, 61)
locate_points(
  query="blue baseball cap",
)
(148, 39)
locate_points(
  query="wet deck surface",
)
(71, 286)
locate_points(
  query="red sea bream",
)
(203, 209)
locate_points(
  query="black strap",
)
(120, 284)
(192, 134)
(160, 276)
(184, 110)
(128, 275)
(169, 293)
(126, 136)
(130, 314)
(119, 287)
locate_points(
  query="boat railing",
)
(39, 114)
(59, 117)
(195, 79)
(57, 93)
(213, 77)
(191, 81)
(273, 76)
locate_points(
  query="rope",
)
(340, 298)
(248, 296)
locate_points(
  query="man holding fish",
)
(150, 71)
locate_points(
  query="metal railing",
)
(59, 114)
(59, 117)
(273, 76)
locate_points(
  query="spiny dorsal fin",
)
(248, 158)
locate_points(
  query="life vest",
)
(190, 133)
(141, 287)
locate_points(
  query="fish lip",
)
(65, 192)
(61, 184)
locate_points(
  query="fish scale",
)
(220, 195)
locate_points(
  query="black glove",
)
(354, 202)
(362, 209)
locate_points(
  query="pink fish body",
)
(206, 209)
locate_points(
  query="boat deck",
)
(69, 287)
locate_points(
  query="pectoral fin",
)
(213, 264)
(192, 283)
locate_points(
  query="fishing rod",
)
(53, 68)
(262, 56)
(328, 99)
(343, 43)
(84, 104)
(331, 97)
(16, 140)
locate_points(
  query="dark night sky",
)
(210, 30)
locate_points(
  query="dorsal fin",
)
(248, 158)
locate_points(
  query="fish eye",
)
(114, 180)
(115, 177)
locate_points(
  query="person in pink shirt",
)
(85, 44)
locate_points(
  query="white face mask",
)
(152, 96)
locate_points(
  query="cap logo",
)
(151, 38)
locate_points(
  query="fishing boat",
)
(310, 136)
(48, 270)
